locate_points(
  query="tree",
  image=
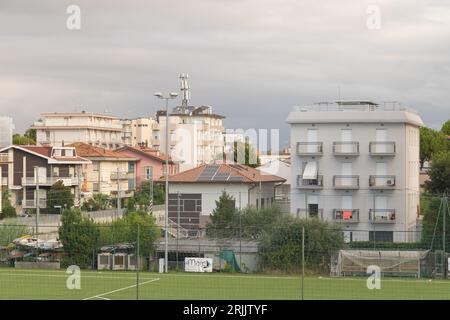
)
(22, 140)
(253, 223)
(31, 134)
(432, 223)
(79, 236)
(223, 218)
(431, 142)
(439, 174)
(141, 198)
(99, 201)
(59, 196)
(281, 246)
(244, 153)
(446, 128)
(8, 211)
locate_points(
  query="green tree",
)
(223, 218)
(31, 134)
(141, 198)
(8, 211)
(245, 152)
(431, 142)
(59, 196)
(253, 223)
(79, 236)
(446, 128)
(281, 247)
(432, 223)
(124, 229)
(99, 201)
(22, 140)
(439, 174)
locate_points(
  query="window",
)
(96, 187)
(55, 171)
(384, 236)
(148, 172)
(130, 167)
(262, 202)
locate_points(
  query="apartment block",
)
(59, 129)
(109, 172)
(6, 131)
(356, 163)
(24, 168)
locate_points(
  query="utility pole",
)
(444, 255)
(118, 193)
(36, 175)
(303, 260)
(137, 261)
(178, 221)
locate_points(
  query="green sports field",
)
(46, 284)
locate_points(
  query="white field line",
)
(100, 296)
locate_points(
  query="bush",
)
(281, 246)
(8, 212)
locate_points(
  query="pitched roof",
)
(147, 152)
(89, 151)
(46, 152)
(224, 173)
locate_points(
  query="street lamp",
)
(171, 95)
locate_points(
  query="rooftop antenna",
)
(185, 90)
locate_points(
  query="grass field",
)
(50, 284)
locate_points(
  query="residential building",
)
(198, 189)
(6, 131)
(151, 164)
(356, 163)
(127, 131)
(280, 168)
(26, 167)
(267, 158)
(59, 129)
(109, 172)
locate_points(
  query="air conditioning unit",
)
(371, 181)
(390, 182)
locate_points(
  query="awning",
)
(310, 172)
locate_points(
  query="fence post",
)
(303, 260)
(138, 262)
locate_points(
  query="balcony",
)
(5, 158)
(49, 181)
(346, 182)
(382, 182)
(346, 215)
(377, 148)
(382, 215)
(309, 148)
(349, 148)
(302, 212)
(31, 204)
(310, 183)
(121, 175)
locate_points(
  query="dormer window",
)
(64, 152)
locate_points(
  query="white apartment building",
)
(6, 131)
(58, 129)
(356, 163)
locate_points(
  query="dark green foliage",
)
(59, 195)
(446, 128)
(432, 227)
(244, 153)
(439, 174)
(8, 211)
(431, 142)
(281, 246)
(223, 218)
(79, 236)
(98, 202)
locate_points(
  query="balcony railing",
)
(5, 158)
(346, 215)
(49, 181)
(382, 215)
(32, 203)
(310, 183)
(377, 148)
(122, 175)
(350, 148)
(302, 212)
(346, 182)
(382, 182)
(310, 148)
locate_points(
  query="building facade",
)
(109, 172)
(6, 131)
(356, 163)
(59, 129)
(26, 169)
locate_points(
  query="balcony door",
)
(346, 138)
(312, 137)
(346, 171)
(313, 205)
(381, 172)
(42, 174)
(380, 136)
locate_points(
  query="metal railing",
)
(49, 181)
(345, 148)
(346, 182)
(382, 181)
(310, 148)
(378, 148)
(310, 183)
(382, 215)
(346, 215)
(310, 213)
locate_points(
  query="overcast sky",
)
(252, 60)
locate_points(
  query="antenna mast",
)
(185, 90)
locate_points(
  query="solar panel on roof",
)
(208, 172)
(221, 176)
(235, 178)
